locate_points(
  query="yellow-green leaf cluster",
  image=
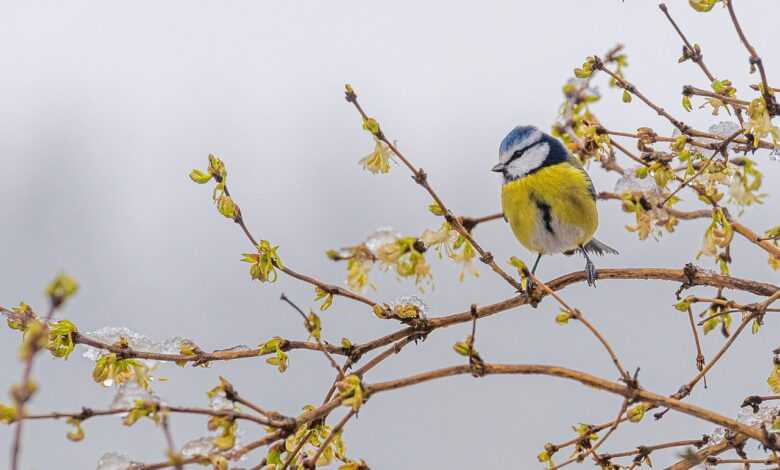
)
(279, 358)
(61, 289)
(141, 409)
(264, 263)
(7, 414)
(110, 368)
(637, 412)
(717, 238)
(20, 317)
(587, 68)
(351, 391)
(77, 434)
(760, 124)
(563, 317)
(522, 271)
(715, 316)
(702, 5)
(436, 209)
(216, 170)
(774, 379)
(227, 427)
(34, 339)
(60, 342)
(313, 325)
(325, 296)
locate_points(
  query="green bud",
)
(200, 177)
(702, 5)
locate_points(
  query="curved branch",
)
(585, 379)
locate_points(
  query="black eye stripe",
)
(519, 153)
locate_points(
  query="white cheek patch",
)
(534, 136)
(532, 159)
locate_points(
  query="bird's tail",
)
(598, 248)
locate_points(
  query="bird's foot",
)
(530, 285)
(590, 272)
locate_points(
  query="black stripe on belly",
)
(544, 208)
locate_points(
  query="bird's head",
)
(527, 149)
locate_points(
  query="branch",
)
(329, 288)
(585, 379)
(715, 449)
(755, 61)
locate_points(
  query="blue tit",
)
(548, 198)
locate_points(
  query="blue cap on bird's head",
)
(518, 140)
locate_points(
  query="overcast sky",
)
(108, 105)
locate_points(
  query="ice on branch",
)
(129, 393)
(382, 237)
(115, 461)
(405, 306)
(135, 341)
(630, 183)
(220, 403)
(767, 414)
(201, 446)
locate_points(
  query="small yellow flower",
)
(760, 122)
(437, 238)
(357, 273)
(379, 160)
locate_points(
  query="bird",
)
(548, 198)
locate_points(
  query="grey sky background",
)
(108, 105)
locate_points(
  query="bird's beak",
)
(498, 168)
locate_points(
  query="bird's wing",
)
(574, 161)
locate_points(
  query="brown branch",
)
(87, 413)
(312, 461)
(699, 354)
(421, 178)
(233, 454)
(329, 288)
(583, 378)
(648, 449)
(470, 222)
(172, 454)
(691, 90)
(690, 277)
(592, 451)
(322, 348)
(712, 450)
(754, 238)
(755, 61)
(24, 391)
(692, 52)
(681, 126)
(687, 388)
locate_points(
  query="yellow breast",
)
(551, 210)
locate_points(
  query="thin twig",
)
(721, 149)
(332, 361)
(312, 461)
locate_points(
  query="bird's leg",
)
(590, 268)
(530, 285)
